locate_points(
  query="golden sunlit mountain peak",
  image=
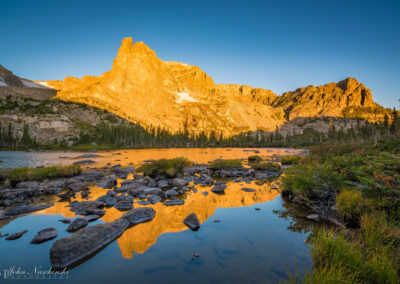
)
(144, 89)
(175, 96)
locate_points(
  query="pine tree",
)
(26, 139)
(394, 120)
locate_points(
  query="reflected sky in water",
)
(248, 245)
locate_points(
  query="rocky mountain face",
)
(175, 96)
(326, 100)
(143, 89)
(7, 78)
(24, 102)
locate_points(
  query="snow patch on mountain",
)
(185, 97)
(30, 84)
(2, 83)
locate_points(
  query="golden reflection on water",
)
(170, 218)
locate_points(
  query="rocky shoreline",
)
(29, 196)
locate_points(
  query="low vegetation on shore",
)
(225, 164)
(167, 167)
(361, 182)
(254, 159)
(266, 166)
(291, 160)
(40, 174)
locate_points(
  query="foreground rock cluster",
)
(71, 249)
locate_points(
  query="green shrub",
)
(351, 205)
(225, 164)
(291, 160)
(39, 174)
(335, 149)
(167, 167)
(268, 166)
(312, 179)
(254, 159)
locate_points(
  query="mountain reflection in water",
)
(170, 218)
(248, 246)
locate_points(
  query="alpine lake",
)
(244, 237)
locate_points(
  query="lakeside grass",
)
(166, 167)
(254, 159)
(226, 164)
(39, 174)
(364, 181)
(291, 160)
(266, 166)
(339, 258)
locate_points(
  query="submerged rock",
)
(16, 236)
(73, 248)
(179, 182)
(152, 183)
(192, 222)
(174, 202)
(95, 211)
(162, 183)
(27, 184)
(84, 162)
(107, 182)
(89, 156)
(219, 188)
(66, 195)
(140, 215)
(154, 199)
(170, 193)
(45, 235)
(129, 185)
(248, 189)
(77, 186)
(91, 218)
(23, 209)
(123, 205)
(107, 200)
(205, 180)
(77, 224)
(85, 194)
(149, 190)
(85, 207)
(230, 173)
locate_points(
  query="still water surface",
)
(15, 159)
(246, 246)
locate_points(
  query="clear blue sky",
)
(278, 45)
